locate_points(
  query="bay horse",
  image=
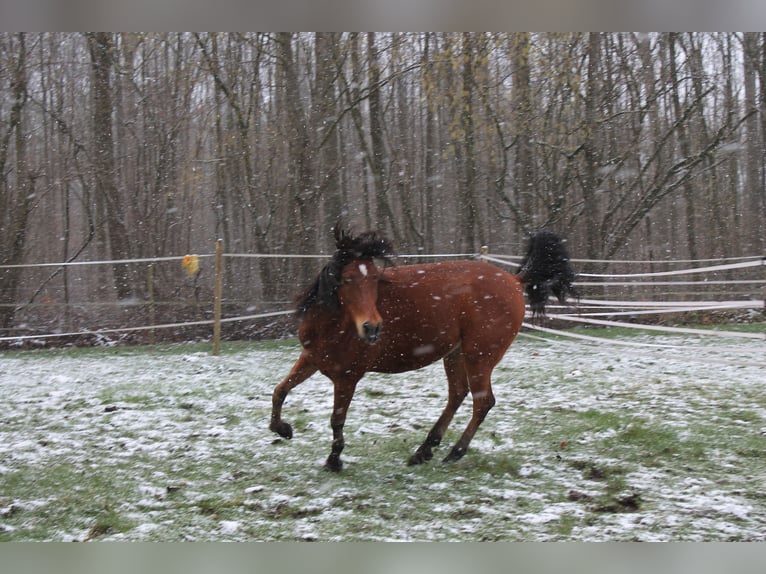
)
(359, 317)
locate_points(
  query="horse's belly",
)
(409, 351)
(403, 362)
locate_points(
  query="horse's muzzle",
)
(371, 331)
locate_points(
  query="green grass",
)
(173, 445)
(621, 333)
(166, 349)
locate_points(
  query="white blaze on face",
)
(363, 269)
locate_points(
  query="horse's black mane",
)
(323, 291)
(546, 270)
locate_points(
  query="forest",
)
(123, 146)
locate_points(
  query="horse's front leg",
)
(344, 392)
(302, 370)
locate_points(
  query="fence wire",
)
(597, 312)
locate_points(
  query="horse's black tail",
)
(546, 270)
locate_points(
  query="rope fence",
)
(640, 349)
(588, 311)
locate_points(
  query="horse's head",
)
(358, 296)
(349, 282)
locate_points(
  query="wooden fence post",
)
(217, 297)
(150, 288)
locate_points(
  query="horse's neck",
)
(326, 323)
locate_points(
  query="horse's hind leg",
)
(483, 401)
(301, 371)
(457, 378)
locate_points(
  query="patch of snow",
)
(228, 526)
(146, 528)
(145, 410)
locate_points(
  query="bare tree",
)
(753, 180)
(109, 200)
(629, 144)
(523, 164)
(378, 153)
(16, 191)
(324, 119)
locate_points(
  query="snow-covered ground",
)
(587, 442)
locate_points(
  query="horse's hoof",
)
(333, 464)
(416, 458)
(454, 455)
(420, 456)
(283, 429)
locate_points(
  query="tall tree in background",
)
(403, 146)
(109, 202)
(521, 102)
(17, 197)
(591, 141)
(430, 151)
(754, 171)
(470, 222)
(301, 192)
(632, 145)
(684, 144)
(760, 231)
(324, 118)
(378, 155)
(729, 177)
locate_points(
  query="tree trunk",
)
(753, 187)
(430, 153)
(590, 176)
(470, 221)
(402, 146)
(521, 97)
(323, 119)
(760, 230)
(385, 215)
(303, 197)
(107, 193)
(16, 195)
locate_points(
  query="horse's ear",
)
(337, 231)
(342, 235)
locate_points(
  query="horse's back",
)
(438, 288)
(430, 310)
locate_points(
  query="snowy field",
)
(586, 442)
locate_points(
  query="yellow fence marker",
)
(191, 264)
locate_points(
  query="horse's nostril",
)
(371, 331)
